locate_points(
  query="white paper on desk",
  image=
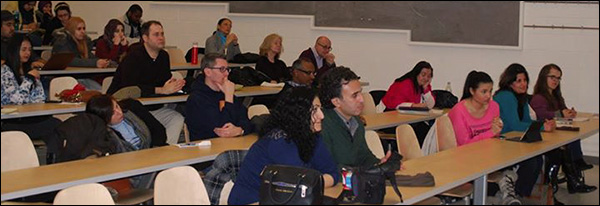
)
(581, 119)
(205, 143)
(8, 110)
(268, 84)
(73, 103)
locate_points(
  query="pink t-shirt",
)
(469, 129)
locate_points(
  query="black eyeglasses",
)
(222, 69)
(307, 72)
(326, 47)
(555, 78)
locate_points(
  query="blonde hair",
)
(266, 45)
(71, 28)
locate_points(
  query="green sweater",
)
(346, 151)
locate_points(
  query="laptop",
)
(533, 133)
(58, 61)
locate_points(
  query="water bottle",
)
(448, 87)
(195, 53)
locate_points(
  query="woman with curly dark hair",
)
(290, 137)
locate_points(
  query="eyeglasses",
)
(222, 69)
(326, 47)
(307, 72)
(555, 78)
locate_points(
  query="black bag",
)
(444, 99)
(289, 185)
(246, 58)
(85, 135)
(248, 76)
(368, 185)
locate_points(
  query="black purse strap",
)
(291, 196)
(392, 177)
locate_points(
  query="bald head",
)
(323, 46)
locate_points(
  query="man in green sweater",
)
(343, 130)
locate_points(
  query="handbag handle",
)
(291, 196)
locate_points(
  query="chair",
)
(17, 151)
(180, 186)
(176, 55)
(445, 133)
(176, 75)
(374, 144)
(377, 95)
(370, 106)
(225, 193)
(256, 110)
(132, 92)
(186, 133)
(408, 146)
(46, 54)
(59, 84)
(86, 194)
(106, 84)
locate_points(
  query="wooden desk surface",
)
(454, 167)
(394, 118)
(20, 183)
(39, 109)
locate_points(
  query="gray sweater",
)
(214, 45)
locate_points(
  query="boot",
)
(582, 165)
(507, 188)
(575, 179)
(553, 177)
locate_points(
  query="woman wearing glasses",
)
(548, 103)
(211, 110)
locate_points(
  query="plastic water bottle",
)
(195, 53)
(449, 87)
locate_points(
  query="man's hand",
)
(229, 130)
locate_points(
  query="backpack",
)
(85, 135)
(248, 76)
(444, 99)
(245, 58)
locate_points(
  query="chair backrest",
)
(17, 152)
(257, 109)
(370, 106)
(106, 84)
(408, 145)
(86, 194)
(374, 144)
(176, 75)
(176, 56)
(46, 54)
(225, 193)
(180, 186)
(445, 133)
(377, 95)
(59, 84)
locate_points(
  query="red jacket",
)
(402, 92)
(106, 50)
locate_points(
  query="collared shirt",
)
(351, 124)
(128, 133)
(317, 57)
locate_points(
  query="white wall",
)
(380, 56)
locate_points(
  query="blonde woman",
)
(269, 62)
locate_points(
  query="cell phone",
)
(53, 101)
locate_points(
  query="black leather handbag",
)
(289, 185)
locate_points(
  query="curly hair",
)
(292, 115)
(507, 78)
(331, 84)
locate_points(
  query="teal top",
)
(509, 112)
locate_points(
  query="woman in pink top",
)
(476, 117)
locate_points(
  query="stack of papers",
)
(268, 84)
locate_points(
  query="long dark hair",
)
(555, 99)
(26, 16)
(102, 106)
(507, 78)
(331, 84)
(13, 59)
(414, 73)
(292, 115)
(110, 28)
(473, 80)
